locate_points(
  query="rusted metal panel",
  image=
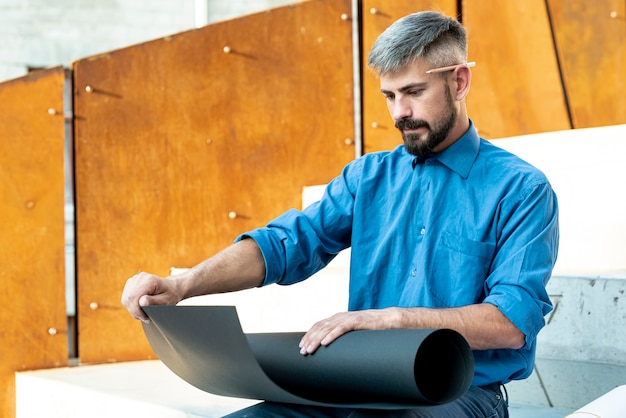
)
(32, 243)
(591, 44)
(184, 142)
(379, 132)
(516, 85)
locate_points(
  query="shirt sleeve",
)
(526, 253)
(297, 244)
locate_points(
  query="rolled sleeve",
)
(273, 254)
(291, 248)
(523, 265)
(297, 244)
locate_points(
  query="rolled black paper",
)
(385, 369)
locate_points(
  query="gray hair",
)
(441, 40)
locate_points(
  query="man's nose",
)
(401, 109)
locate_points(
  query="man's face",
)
(422, 107)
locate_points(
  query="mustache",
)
(403, 124)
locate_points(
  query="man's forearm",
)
(239, 266)
(482, 325)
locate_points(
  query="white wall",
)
(587, 169)
(221, 10)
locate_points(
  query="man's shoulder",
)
(380, 164)
(500, 160)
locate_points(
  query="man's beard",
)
(423, 148)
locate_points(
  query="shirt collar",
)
(460, 156)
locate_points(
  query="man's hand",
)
(328, 330)
(145, 289)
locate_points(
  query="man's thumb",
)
(144, 300)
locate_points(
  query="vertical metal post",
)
(356, 65)
(201, 13)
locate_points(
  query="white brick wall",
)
(221, 10)
(44, 33)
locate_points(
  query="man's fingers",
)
(137, 293)
(137, 313)
(323, 333)
(326, 331)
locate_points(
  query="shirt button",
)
(422, 231)
(413, 273)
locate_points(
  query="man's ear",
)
(463, 77)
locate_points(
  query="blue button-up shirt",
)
(472, 224)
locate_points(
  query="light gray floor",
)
(537, 411)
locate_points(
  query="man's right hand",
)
(144, 289)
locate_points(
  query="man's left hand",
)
(328, 330)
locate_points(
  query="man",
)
(447, 231)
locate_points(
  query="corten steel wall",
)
(542, 65)
(546, 65)
(591, 45)
(516, 86)
(33, 334)
(184, 142)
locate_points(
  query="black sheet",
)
(387, 369)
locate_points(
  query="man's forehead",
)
(412, 73)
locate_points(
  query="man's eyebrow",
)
(406, 88)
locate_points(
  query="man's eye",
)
(416, 92)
